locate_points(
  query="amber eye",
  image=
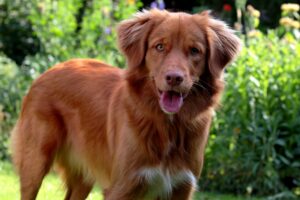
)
(194, 51)
(160, 47)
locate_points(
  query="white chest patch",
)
(161, 183)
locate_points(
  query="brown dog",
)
(139, 133)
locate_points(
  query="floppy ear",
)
(223, 45)
(132, 37)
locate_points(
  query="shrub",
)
(76, 28)
(255, 142)
(17, 39)
(11, 91)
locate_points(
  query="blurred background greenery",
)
(254, 147)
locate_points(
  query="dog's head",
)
(175, 49)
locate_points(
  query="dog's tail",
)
(16, 146)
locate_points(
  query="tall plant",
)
(255, 142)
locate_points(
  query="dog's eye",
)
(160, 47)
(194, 51)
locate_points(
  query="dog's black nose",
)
(174, 78)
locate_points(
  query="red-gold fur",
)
(97, 123)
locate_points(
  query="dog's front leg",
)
(183, 192)
(125, 190)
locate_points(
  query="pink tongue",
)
(170, 101)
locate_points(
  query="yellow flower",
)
(253, 33)
(106, 11)
(250, 8)
(130, 2)
(253, 11)
(41, 7)
(286, 21)
(290, 7)
(289, 22)
(295, 24)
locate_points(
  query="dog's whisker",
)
(208, 85)
(200, 85)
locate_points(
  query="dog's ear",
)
(223, 45)
(132, 37)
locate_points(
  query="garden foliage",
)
(255, 141)
(76, 28)
(12, 87)
(254, 147)
(17, 39)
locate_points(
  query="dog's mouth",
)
(171, 101)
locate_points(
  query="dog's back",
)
(61, 104)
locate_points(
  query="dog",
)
(140, 132)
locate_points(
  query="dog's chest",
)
(160, 182)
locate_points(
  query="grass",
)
(52, 188)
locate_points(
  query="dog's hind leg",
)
(31, 176)
(78, 186)
(33, 153)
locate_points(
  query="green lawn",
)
(52, 188)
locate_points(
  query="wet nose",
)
(174, 78)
